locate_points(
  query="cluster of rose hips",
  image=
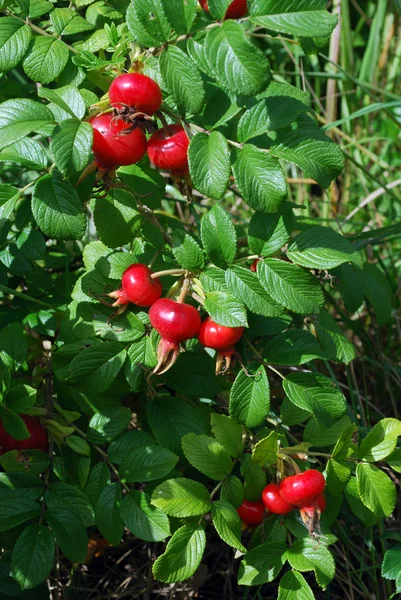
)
(304, 491)
(119, 138)
(38, 439)
(174, 320)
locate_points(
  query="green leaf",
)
(293, 347)
(303, 19)
(78, 445)
(182, 79)
(26, 152)
(391, 566)
(333, 339)
(147, 463)
(291, 286)
(268, 233)
(294, 587)
(57, 208)
(218, 8)
(128, 441)
(141, 356)
(254, 478)
(227, 524)
(381, 440)
(187, 251)
(107, 424)
(180, 14)
(107, 511)
(246, 287)
(304, 144)
(68, 98)
(225, 310)
(337, 476)
(35, 462)
(33, 556)
(270, 114)
(228, 433)
(20, 117)
(148, 23)
(13, 346)
(237, 65)
(218, 236)
(145, 182)
(97, 366)
(70, 533)
(376, 489)
(71, 146)
(16, 509)
(66, 21)
(207, 455)
(181, 498)
(232, 491)
(260, 179)
(8, 199)
(306, 555)
(13, 424)
(144, 520)
(394, 460)
(321, 248)
(14, 41)
(182, 556)
(262, 564)
(46, 59)
(250, 396)
(116, 217)
(323, 436)
(32, 244)
(265, 452)
(362, 512)
(16, 484)
(63, 495)
(317, 394)
(98, 479)
(210, 164)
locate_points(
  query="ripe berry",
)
(137, 91)
(114, 144)
(274, 502)
(169, 150)
(217, 336)
(254, 265)
(251, 513)
(138, 287)
(236, 10)
(302, 489)
(38, 439)
(174, 321)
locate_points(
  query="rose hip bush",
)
(167, 310)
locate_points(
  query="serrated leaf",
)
(147, 463)
(14, 41)
(321, 248)
(70, 533)
(148, 23)
(78, 445)
(97, 366)
(376, 489)
(144, 520)
(333, 339)
(25, 152)
(317, 394)
(46, 59)
(227, 524)
(291, 286)
(303, 19)
(181, 498)
(225, 310)
(144, 181)
(293, 347)
(68, 98)
(20, 484)
(63, 495)
(260, 179)
(237, 64)
(107, 424)
(262, 564)
(13, 346)
(13, 424)
(35, 462)
(187, 251)
(268, 233)
(182, 555)
(250, 396)
(16, 509)
(33, 556)
(294, 587)
(246, 287)
(20, 117)
(362, 512)
(180, 14)
(107, 513)
(182, 79)
(232, 491)
(98, 479)
(265, 452)
(218, 236)
(254, 478)
(381, 440)
(116, 217)
(66, 21)
(207, 455)
(210, 164)
(71, 146)
(228, 433)
(323, 435)
(305, 555)
(128, 441)
(391, 566)
(57, 208)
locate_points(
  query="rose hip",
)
(302, 489)
(136, 91)
(251, 513)
(169, 149)
(38, 439)
(114, 143)
(274, 502)
(138, 287)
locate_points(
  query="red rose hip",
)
(274, 502)
(251, 513)
(114, 143)
(38, 439)
(138, 287)
(137, 91)
(254, 265)
(302, 489)
(318, 505)
(169, 149)
(174, 321)
(217, 336)
(236, 10)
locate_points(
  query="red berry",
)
(138, 287)
(169, 150)
(254, 265)
(251, 513)
(174, 321)
(114, 144)
(136, 90)
(303, 489)
(311, 509)
(217, 336)
(236, 10)
(274, 502)
(38, 439)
